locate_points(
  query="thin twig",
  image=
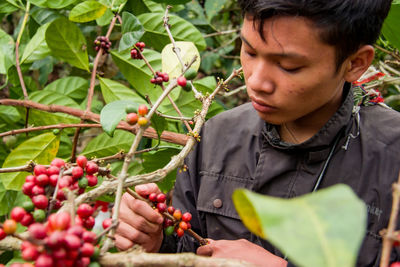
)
(175, 48)
(235, 91)
(388, 242)
(388, 52)
(26, 168)
(221, 33)
(54, 198)
(105, 231)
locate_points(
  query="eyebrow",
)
(281, 55)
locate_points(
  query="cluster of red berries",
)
(132, 118)
(102, 42)
(134, 51)
(159, 78)
(177, 222)
(58, 243)
(43, 182)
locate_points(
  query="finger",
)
(122, 243)
(138, 222)
(205, 251)
(143, 209)
(146, 189)
(132, 234)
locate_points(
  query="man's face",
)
(291, 76)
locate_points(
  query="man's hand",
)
(241, 250)
(138, 222)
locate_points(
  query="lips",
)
(261, 107)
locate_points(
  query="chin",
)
(270, 119)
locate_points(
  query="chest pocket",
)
(215, 203)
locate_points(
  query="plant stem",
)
(387, 240)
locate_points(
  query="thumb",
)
(206, 250)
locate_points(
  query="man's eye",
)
(251, 54)
(291, 70)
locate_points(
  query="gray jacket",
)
(239, 150)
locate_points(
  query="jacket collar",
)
(325, 136)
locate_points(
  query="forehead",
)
(285, 35)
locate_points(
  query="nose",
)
(259, 78)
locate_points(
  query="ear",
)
(358, 63)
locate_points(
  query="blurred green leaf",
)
(105, 19)
(158, 123)
(325, 228)
(7, 199)
(172, 2)
(171, 63)
(87, 11)
(391, 29)
(113, 91)
(37, 48)
(103, 145)
(67, 42)
(113, 113)
(73, 87)
(42, 149)
(7, 48)
(182, 30)
(212, 7)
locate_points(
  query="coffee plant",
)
(99, 96)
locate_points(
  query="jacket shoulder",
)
(381, 123)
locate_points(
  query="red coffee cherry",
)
(59, 254)
(37, 190)
(171, 210)
(142, 110)
(153, 197)
(180, 232)
(17, 214)
(89, 223)
(62, 221)
(55, 239)
(181, 81)
(44, 260)
(91, 167)
(162, 207)
(39, 169)
(132, 118)
(76, 230)
(27, 188)
(168, 222)
(31, 253)
(81, 161)
(53, 180)
(53, 170)
(77, 172)
(183, 225)
(72, 242)
(9, 226)
(58, 162)
(84, 211)
(186, 217)
(2, 234)
(87, 250)
(42, 179)
(89, 237)
(92, 180)
(161, 198)
(107, 223)
(27, 220)
(30, 178)
(37, 231)
(40, 201)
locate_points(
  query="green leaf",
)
(212, 7)
(7, 8)
(37, 48)
(172, 2)
(7, 48)
(139, 75)
(182, 30)
(171, 63)
(104, 145)
(43, 16)
(49, 97)
(105, 19)
(391, 29)
(58, 4)
(113, 113)
(325, 228)
(39, 3)
(155, 160)
(206, 84)
(158, 123)
(113, 91)
(7, 199)
(73, 87)
(132, 31)
(67, 42)
(87, 11)
(42, 149)
(9, 114)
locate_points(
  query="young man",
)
(299, 59)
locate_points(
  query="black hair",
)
(344, 24)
